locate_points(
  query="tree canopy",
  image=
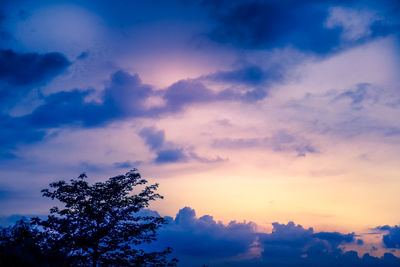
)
(99, 224)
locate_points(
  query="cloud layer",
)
(202, 240)
(310, 26)
(19, 72)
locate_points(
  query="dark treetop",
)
(99, 224)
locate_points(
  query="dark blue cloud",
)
(335, 238)
(123, 97)
(4, 35)
(170, 156)
(166, 152)
(70, 107)
(197, 241)
(154, 139)
(5, 155)
(269, 24)
(272, 23)
(126, 164)
(392, 238)
(28, 68)
(249, 75)
(246, 84)
(19, 72)
(295, 243)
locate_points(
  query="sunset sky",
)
(254, 111)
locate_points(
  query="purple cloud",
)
(168, 152)
(281, 141)
(199, 241)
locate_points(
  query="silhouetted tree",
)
(99, 224)
(24, 245)
(19, 245)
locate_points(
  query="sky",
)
(272, 127)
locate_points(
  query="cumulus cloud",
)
(297, 244)
(392, 238)
(202, 240)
